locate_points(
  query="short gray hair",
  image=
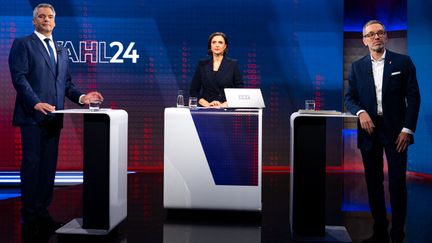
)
(370, 22)
(43, 5)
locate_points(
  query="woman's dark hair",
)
(210, 39)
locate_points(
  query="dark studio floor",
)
(147, 221)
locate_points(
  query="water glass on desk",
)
(310, 105)
(193, 103)
(180, 99)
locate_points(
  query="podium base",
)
(74, 227)
(332, 234)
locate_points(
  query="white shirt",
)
(378, 72)
(42, 38)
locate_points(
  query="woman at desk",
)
(214, 74)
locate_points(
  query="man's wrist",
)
(406, 130)
(359, 112)
(80, 101)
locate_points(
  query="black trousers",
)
(39, 161)
(397, 164)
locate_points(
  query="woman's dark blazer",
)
(209, 84)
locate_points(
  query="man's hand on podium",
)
(91, 96)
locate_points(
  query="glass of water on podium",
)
(94, 104)
(310, 105)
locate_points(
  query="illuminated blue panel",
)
(230, 144)
(393, 13)
(420, 50)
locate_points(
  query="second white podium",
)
(105, 172)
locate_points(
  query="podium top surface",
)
(321, 113)
(87, 111)
(114, 114)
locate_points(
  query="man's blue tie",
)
(51, 54)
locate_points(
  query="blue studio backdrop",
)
(139, 53)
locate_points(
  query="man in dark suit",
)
(383, 92)
(41, 77)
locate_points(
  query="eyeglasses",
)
(371, 35)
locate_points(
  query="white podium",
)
(212, 159)
(308, 164)
(105, 172)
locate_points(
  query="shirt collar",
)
(381, 58)
(42, 37)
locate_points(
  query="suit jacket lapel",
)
(43, 51)
(220, 73)
(370, 83)
(209, 70)
(388, 67)
(60, 52)
(222, 69)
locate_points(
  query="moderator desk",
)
(105, 172)
(212, 159)
(308, 163)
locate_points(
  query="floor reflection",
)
(197, 233)
(148, 221)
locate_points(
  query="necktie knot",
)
(47, 41)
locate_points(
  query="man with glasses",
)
(383, 92)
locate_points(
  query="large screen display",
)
(139, 53)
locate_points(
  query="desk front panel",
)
(212, 159)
